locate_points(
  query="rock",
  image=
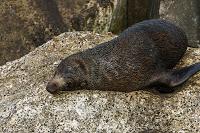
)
(184, 13)
(140, 10)
(26, 24)
(129, 12)
(95, 15)
(25, 105)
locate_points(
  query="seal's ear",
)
(175, 77)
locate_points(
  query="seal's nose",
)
(52, 87)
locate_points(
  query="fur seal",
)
(141, 56)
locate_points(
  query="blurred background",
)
(27, 24)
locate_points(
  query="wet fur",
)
(133, 60)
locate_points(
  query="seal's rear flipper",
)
(175, 77)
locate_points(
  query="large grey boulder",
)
(25, 105)
(184, 13)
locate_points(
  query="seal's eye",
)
(69, 84)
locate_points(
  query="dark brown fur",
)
(140, 56)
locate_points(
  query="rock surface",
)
(139, 10)
(26, 24)
(25, 105)
(186, 14)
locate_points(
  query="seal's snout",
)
(55, 84)
(52, 87)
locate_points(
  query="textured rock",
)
(186, 14)
(129, 12)
(26, 24)
(140, 10)
(95, 15)
(25, 105)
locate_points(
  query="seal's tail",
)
(175, 77)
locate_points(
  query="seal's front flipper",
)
(175, 77)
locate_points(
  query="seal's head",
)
(70, 75)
